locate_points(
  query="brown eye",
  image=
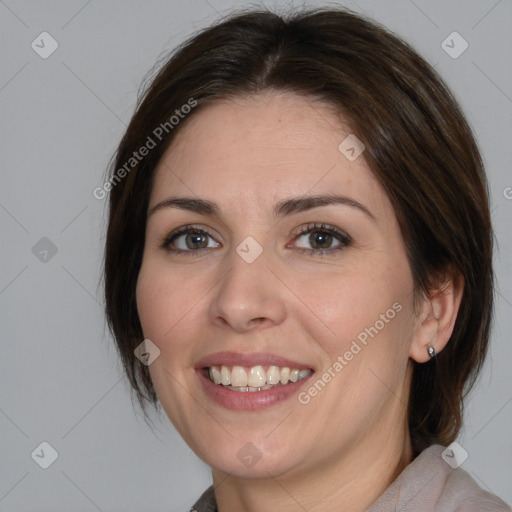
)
(196, 240)
(189, 239)
(320, 240)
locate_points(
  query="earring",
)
(431, 352)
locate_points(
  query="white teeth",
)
(303, 374)
(273, 375)
(215, 375)
(225, 376)
(294, 375)
(255, 378)
(285, 375)
(249, 389)
(238, 376)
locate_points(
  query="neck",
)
(349, 481)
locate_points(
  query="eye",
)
(319, 239)
(189, 239)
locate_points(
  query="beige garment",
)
(428, 484)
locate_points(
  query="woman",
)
(300, 233)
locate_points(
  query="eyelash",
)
(169, 239)
(343, 239)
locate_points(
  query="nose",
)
(249, 297)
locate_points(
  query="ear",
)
(436, 318)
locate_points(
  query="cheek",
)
(347, 302)
(362, 313)
(164, 300)
(362, 321)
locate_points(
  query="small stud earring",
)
(431, 352)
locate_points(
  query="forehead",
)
(272, 145)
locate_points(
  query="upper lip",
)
(254, 359)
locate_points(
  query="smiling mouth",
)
(255, 378)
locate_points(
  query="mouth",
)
(255, 378)
(250, 381)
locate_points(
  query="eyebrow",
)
(300, 204)
(281, 209)
(187, 203)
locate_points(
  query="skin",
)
(342, 449)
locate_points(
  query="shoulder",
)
(463, 492)
(429, 483)
(206, 503)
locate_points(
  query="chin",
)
(252, 456)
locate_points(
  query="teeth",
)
(225, 376)
(238, 376)
(273, 375)
(256, 378)
(249, 389)
(215, 375)
(303, 374)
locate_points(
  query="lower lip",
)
(249, 400)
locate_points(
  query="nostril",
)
(223, 320)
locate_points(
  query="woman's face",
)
(294, 259)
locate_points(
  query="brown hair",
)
(418, 145)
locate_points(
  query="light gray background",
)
(61, 119)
